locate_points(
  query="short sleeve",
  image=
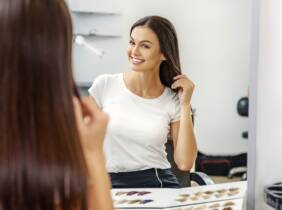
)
(97, 89)
(175, 109)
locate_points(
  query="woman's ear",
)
(163, 57)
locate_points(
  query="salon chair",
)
(185, 178)
(83, 87)
(243, 110)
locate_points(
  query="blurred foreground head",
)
(41, 161)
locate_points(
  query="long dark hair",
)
(167, 37)
(42, 165)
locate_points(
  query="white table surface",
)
(167, 198)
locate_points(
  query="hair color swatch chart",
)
(210, 197)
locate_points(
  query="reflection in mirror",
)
(214, 40)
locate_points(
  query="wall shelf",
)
(101, 34)
(97, 12)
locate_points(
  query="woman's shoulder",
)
(106, 82)
(105, 78)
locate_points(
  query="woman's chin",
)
(136, 68)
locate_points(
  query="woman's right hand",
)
(91, 123)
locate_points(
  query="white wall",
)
(214, 41)
(267, 137)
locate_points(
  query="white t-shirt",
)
(138, 127)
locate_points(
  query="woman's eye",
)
(146, 46)
(131, 42)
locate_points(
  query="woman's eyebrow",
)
(142, 41)
(146, 41)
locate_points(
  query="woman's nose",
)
(135, 50)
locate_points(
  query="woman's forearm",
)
(99, 183)
(185, 151)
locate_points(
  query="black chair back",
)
(183, 177)
(243, 106)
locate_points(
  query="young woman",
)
(46, 132)
(145, 105)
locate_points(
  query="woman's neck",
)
(144, 84)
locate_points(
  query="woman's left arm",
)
(182, 132)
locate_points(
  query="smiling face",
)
(143, 51)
